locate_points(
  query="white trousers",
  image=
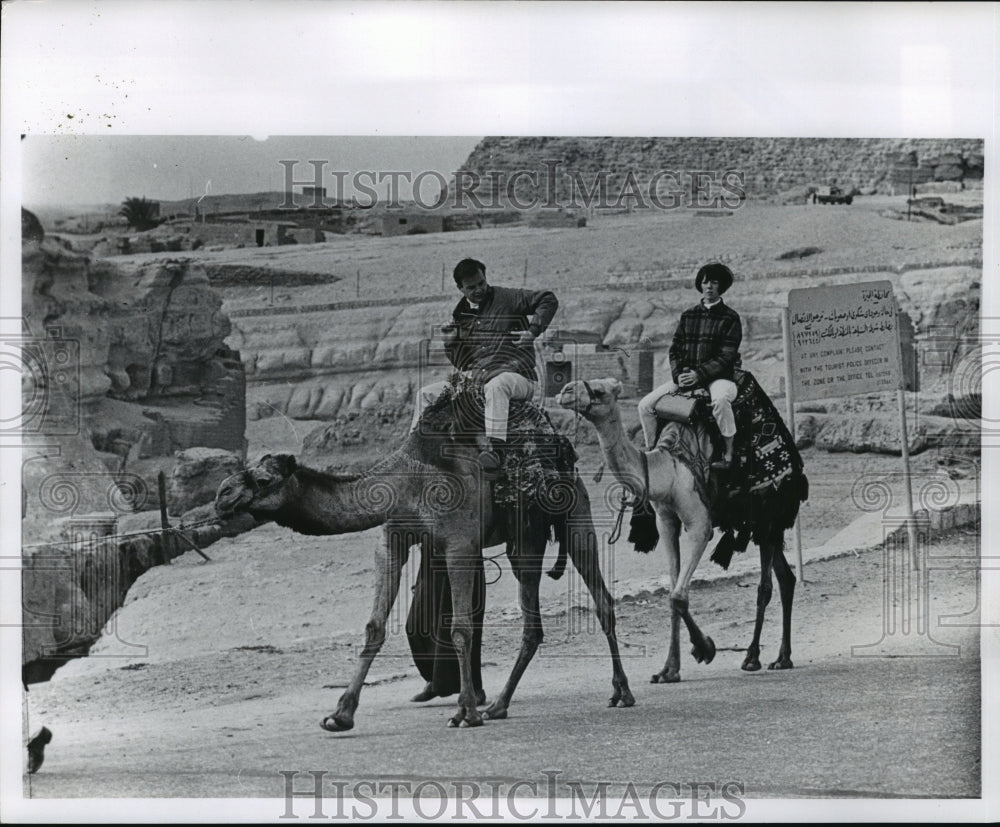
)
(499, 391)
(722, 391)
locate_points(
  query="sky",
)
(95, 169)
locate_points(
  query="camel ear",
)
(615, 387)
(285, 464)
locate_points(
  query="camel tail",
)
(729, 544)
(643, 533)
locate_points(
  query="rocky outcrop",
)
(337, 362)
(122, 367)
(196, 476)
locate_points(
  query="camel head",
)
(593, 400)
(259, 488)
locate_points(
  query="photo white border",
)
(428, 68)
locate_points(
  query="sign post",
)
(845, 340)
(790, 421)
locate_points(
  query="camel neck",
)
(622, 456)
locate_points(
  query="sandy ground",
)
(751, 240)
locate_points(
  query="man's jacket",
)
(484, 340)
(707, 341)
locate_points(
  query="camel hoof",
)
(626, 701)
(496, 714)
(666, 677)
(751, 665)
(472, 721)
(782, 663)
(337, 723)
(704, 654)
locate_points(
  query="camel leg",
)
(462, 567)
(751, 663)
(529, 575)
(389, 562)
(582, 541)
(669, 527)
(696, 536)
(786, 587)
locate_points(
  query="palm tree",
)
(140, 213)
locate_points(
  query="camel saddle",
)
(679, 407)
(764, 452)
(764, 457)
(536, 454)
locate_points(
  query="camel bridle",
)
(257, 489)
(590, 397)
(637, 498)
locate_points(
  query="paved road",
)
(836, 727)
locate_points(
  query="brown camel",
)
(677, 489)
(430, 492)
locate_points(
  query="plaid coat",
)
(707, 340)
(484, 341)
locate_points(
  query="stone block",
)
(196, 476)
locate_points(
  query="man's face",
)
(474, 287)
(710, 289)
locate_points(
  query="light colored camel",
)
(677, 494)
(430, 492)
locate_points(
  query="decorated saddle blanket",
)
(768, 452)
(764, 451)
(536, 456)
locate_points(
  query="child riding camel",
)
(704, 354)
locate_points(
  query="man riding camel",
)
(491, 338)
(704, 354)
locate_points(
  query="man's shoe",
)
(426, 694)
(36, 749)
(490, 462)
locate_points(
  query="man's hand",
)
(687, 378)
(523, 337)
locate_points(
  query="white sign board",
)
(843, 340)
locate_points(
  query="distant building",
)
(408, 223)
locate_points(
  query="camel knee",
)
(764, 591)
(461, 636)
(374, 634)
(374, 638)
(533, 636)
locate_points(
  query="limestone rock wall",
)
(122, 366)
(769, 165)
(338, 363)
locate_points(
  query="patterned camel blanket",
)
(768, 453)
(537, 455)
